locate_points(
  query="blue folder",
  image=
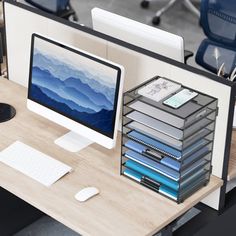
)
(190, 180)
(171, 163)
(141, 149)
(167, 191)
(195, 146)
(152, 164)
(133, 174)
(200, 153)
(163, 189)
(192, 168)
(135, 146)
(155, 144)
(152, 174)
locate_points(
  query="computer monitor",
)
(148, 37)
(77, 90)
(52, 6)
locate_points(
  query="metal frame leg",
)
(177, 223)
(192, 8)
(165, 8)
(167, 231)
(187, 3)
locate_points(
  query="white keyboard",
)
(34, 163)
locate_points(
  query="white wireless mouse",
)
(86, 193)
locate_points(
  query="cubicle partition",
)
(140, 65)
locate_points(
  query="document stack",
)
(164, 148)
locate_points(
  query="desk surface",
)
(232, 159)
(122, 207)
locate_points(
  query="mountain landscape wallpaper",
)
(74, 86)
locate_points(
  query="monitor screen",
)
(50, 6)
(74, 84)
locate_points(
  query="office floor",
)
(178, 20)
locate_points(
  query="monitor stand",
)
(73, 142)
(7, 112)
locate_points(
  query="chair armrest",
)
(69, 11)
(187, 55)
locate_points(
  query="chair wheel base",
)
(156, 20)
(144, 4)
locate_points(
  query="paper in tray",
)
(167, 161)
(133, 174)
(154, 144)
(171, 163)
(152, 174)
(163, 189)
(152, 164)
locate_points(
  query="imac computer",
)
(138, 34)
(77, 90)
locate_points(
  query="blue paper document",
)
(152, 165)
(133, 174)
(135, 146)
(168, 192)
(154, 155)
(152, 174)
(155, 144)
(171, 163)
(162, 189)
(195, 156)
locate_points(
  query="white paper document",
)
(159, 89)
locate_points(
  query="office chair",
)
(61, 8)
(218, 20)
(157, 18)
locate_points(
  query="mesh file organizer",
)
(165, 149)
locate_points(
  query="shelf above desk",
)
(121, 208)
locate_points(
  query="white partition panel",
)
(21, 23)
(77, 38)
(138, 67)
(222, 93)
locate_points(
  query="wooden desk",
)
(122, 207)
(232, 160)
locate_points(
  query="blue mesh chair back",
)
(51, 6)
(218, 20)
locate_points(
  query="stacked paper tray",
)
(165, 149)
